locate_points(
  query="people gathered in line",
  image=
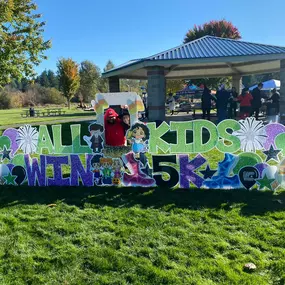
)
(250, 103)
(117, 125)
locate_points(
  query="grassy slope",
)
(135, 236)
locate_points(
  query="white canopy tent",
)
(270, 84)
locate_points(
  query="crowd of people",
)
(117, 125)
(250, 103)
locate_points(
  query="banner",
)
(232, 155)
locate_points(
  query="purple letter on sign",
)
(57, 179)
(187, 168)
(77, 170)
(34, 170)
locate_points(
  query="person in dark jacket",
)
(274, 103)
(233, 103)
(207, 99)
(222, 103)
(256, 101)
(125, 118)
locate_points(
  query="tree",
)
(21, 42)
(89, 80)
(43, 80)
(110, 65)
(103, 84)
(251, 80)
(130, 85)
(48, 79)
(69, 79)
(52, 79)
(173, 86)
(222, 28)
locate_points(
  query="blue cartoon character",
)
(139, 135)
(95, 141)
(106, 169)
(95, 168)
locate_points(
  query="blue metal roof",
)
(209, 46)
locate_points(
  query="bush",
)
(39, 95)
(5, 100)
(35, 94)
(16, 100)
(53, 96)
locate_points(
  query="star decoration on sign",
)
(5, 153)
(265, 182)
(272, 154)
(10, 179)
(208, 173)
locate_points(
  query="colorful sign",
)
(232, 155)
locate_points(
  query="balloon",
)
(4, 170)
(20, 172)
(5, 141)
(248, 176)
(12, 135)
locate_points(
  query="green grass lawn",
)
(13, 116)
(136, 236)
(140, 236)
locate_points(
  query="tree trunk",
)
(68, 104)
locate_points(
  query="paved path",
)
(82, 119)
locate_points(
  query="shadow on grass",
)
(251, 202)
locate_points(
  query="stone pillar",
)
(282, 91)
(237, 83)
(156, 88)
(114, 84)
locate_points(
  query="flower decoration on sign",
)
(27, 139)
(252, 134)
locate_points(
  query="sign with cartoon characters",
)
(231, 155)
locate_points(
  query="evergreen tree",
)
(53, 79)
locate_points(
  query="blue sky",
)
(129, 29)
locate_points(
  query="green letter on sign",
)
(44, 141)
(76, 140)
(225, 136)
(181, 128)
(198, 127)
(155, 140)
(57, 140)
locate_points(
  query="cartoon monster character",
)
(139, 135)
(106, 168)
(95, 167)
(95, 141)
(117, 169)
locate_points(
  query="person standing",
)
(273, 106)
(207, 99)
(233, 103)
(144, 98)
(114, 130)
(256, 101)
(275, 100)
(171, 102)
(222, 103)
(245, 100)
